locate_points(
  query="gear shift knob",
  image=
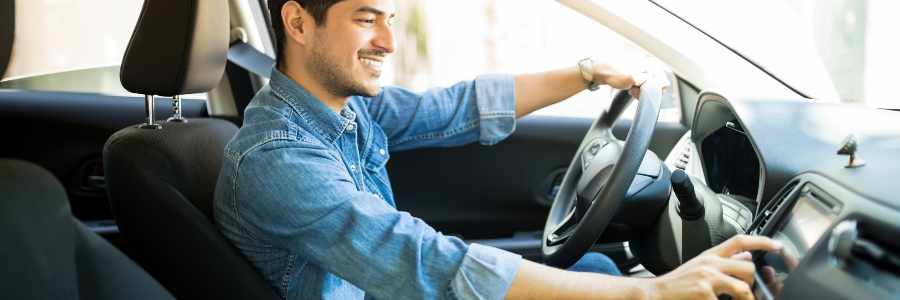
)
(689, 207)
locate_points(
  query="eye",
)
(367, 21)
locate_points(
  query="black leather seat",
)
(48, 254)
(161, 180)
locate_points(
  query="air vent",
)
(769, 211)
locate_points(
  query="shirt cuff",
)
(485, 273)
(495, 96)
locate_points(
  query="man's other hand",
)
(721, 270)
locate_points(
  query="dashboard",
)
(778, 158)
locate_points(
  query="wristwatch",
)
(586, 67)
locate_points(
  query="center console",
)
(831, 249)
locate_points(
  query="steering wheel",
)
(599, 176)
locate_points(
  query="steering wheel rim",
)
(599, 176)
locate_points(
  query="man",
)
(304, 193)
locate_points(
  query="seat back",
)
(48, 254)
(161, 177)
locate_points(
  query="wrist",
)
(646, 289)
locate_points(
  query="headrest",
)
(178, 47)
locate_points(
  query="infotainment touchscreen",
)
(798, 231)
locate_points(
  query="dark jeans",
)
(596, 263)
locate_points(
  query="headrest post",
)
(149, 105)
(176, 110)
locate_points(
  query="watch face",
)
(585, 66)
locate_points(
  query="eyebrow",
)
(369, 9)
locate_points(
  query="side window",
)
(435, 47)
(70, 45)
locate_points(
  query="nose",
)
(384, 39)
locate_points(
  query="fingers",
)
(742, 243)
(639, 78)
(739, 269)
(789, 260)
(635, 92)
(745, 256)
(768, 274)
(737, 289)
(770, 279)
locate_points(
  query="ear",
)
(296, 22)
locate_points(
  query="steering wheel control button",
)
(593, 148)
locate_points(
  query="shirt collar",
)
(312, 111)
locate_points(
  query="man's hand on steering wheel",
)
(619, 80)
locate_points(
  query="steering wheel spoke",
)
(565, 228)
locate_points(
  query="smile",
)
(373, 64)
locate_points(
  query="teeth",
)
(371, 63)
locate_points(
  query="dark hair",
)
(317, 8)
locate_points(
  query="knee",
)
(596, 263)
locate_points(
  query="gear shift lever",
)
(694, 230)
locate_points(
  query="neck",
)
(307, 81)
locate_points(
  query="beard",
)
(336, 80)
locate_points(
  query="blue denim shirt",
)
(305, 195)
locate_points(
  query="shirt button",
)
(353, 168)
(351, 127)
(381, 151)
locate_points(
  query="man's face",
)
(347, 53)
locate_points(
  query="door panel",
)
(65, 133)
(479, 191)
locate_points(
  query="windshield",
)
(838, 50)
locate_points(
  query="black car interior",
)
(93, 204)
(48, 254)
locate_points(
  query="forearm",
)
(536, 281)
(537, 90)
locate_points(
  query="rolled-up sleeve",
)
(356, 235)
(482, 109)
(485, 273)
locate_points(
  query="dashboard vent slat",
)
(769, 210)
